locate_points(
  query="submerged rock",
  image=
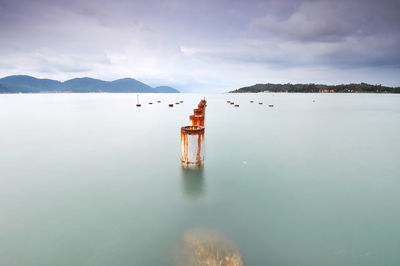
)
(204, 247)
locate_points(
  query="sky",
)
(203, 45)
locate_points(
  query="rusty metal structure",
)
(198, 112)
(197, 120)
(192, 139)
(192, 146)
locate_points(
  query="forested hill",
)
(344, 88)
(28, 84)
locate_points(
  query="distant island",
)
(28, 84)
(312, 88)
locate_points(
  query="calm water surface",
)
(89, 179)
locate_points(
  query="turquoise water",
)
(89, 179)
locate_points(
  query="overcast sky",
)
(203, 45)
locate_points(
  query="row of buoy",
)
(192, 138)
(237, 105)
(139, 105)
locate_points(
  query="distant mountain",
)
(128, 83)
(343, 88)
(28, 84)
(166, 89)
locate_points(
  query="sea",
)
(91, 179)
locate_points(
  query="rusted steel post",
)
(197, 120)
(192, 146)
(202, 107)
(198, 112)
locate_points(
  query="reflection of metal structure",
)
(192, 138)
(192, 146)
(197, 120)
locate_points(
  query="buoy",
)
(137, 101)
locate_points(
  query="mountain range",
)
(28, 84)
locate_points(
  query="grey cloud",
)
(240, 40)
(331, 21)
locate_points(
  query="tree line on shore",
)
(313, 88)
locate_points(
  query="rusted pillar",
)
(198, 112)
(197, 120)
(192, 146)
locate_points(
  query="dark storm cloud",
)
(196, 42)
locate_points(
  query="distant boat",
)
(137, 101)
(236, 105)
(171, 105)
(158, 101)
(252, 101)
(150, 103)
(270, 105)
(260, 103)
